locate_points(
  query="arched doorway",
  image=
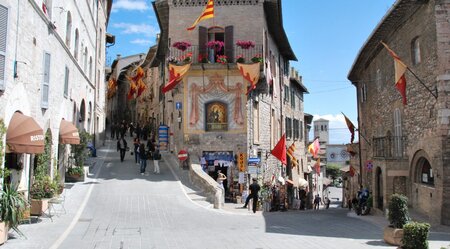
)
(82, 116)
(379, 188)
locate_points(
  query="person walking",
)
(131, 128)
(317, 201)
(136, 144)
(156, 158)
(113, 130)
(122, 147)
(142, 158)
(254, 189)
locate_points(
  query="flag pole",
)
(423, 84)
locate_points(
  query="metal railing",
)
(389, 147)
(210, 55)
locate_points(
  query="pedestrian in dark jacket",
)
(136, 144)
(254, 189)
(122, 147)
(142, 158)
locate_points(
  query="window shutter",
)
(202, 40)
(45, 83)
(3, 36)
(66, 83)
(229, 44)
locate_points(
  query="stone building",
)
(52, 57)
(209, 113)
(405, 148)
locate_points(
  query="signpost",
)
(163, 137)
(182, 155)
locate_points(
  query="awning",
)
(302, 183)
(345, 169)
(24, 135)
(68, 133)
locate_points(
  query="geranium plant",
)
(257, 58)
(240, 58)
(182, 45)
(186, 58)
(216, 45)
(222, 59)
(245, 44)
(172, 59)
(203, 58)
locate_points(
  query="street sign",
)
(163, 136)
(182, 155)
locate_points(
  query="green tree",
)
(333, 171)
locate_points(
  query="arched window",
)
(100, 45)
(425, 171)
(415, 51)
(82, 112)
(77, 40)
(68, 29)
(89, 117)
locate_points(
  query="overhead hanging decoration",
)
(176, 74)
(250, 72)
(136, 83)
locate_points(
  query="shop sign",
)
(254, 161)
(252, 170)
(241, 161)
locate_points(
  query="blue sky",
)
(325, 36)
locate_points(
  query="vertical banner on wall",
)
(163, 137)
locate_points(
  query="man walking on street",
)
(122, 147)
(156, 157)
(254, 189)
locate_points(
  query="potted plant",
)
(172, 59)
(398, 216)
(222, 59)
(12, 207)
(203, 58)
(75, 173)
(186, 58)
(415, 235)
(240, 59)
(245, 44)
(181, 45)
(216, 45)
(257, 58)
(41, 191)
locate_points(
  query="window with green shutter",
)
(3, 41)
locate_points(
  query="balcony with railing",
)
(203, 54)
(389, 147)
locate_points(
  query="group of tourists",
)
(141, 152)
(120, 129)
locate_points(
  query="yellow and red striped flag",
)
(351, 127)
(314, 148)
(290, 153)
(400, 70)
(207, 13)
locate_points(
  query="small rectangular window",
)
(292, 98)
(256, 122)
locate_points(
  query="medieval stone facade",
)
(212, 112)
(405, 148)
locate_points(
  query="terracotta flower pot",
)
(38, 206)
(393, 236)
(3, 232)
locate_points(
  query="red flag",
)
(400, 70)
(280, 150)
(207, 13)
(351, 128)
(314, 148)
(317, 166)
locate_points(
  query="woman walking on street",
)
(136, 144)
(156, 157)
(143, 158)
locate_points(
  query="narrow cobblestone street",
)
(117, 207)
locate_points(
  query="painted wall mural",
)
(216, 103)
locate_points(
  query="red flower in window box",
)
(245, 44)
(182, 45)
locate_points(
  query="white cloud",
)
(140, 42)
(139, 5)
(129, 28)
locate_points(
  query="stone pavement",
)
(116, 207)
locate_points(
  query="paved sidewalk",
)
(43, 232)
